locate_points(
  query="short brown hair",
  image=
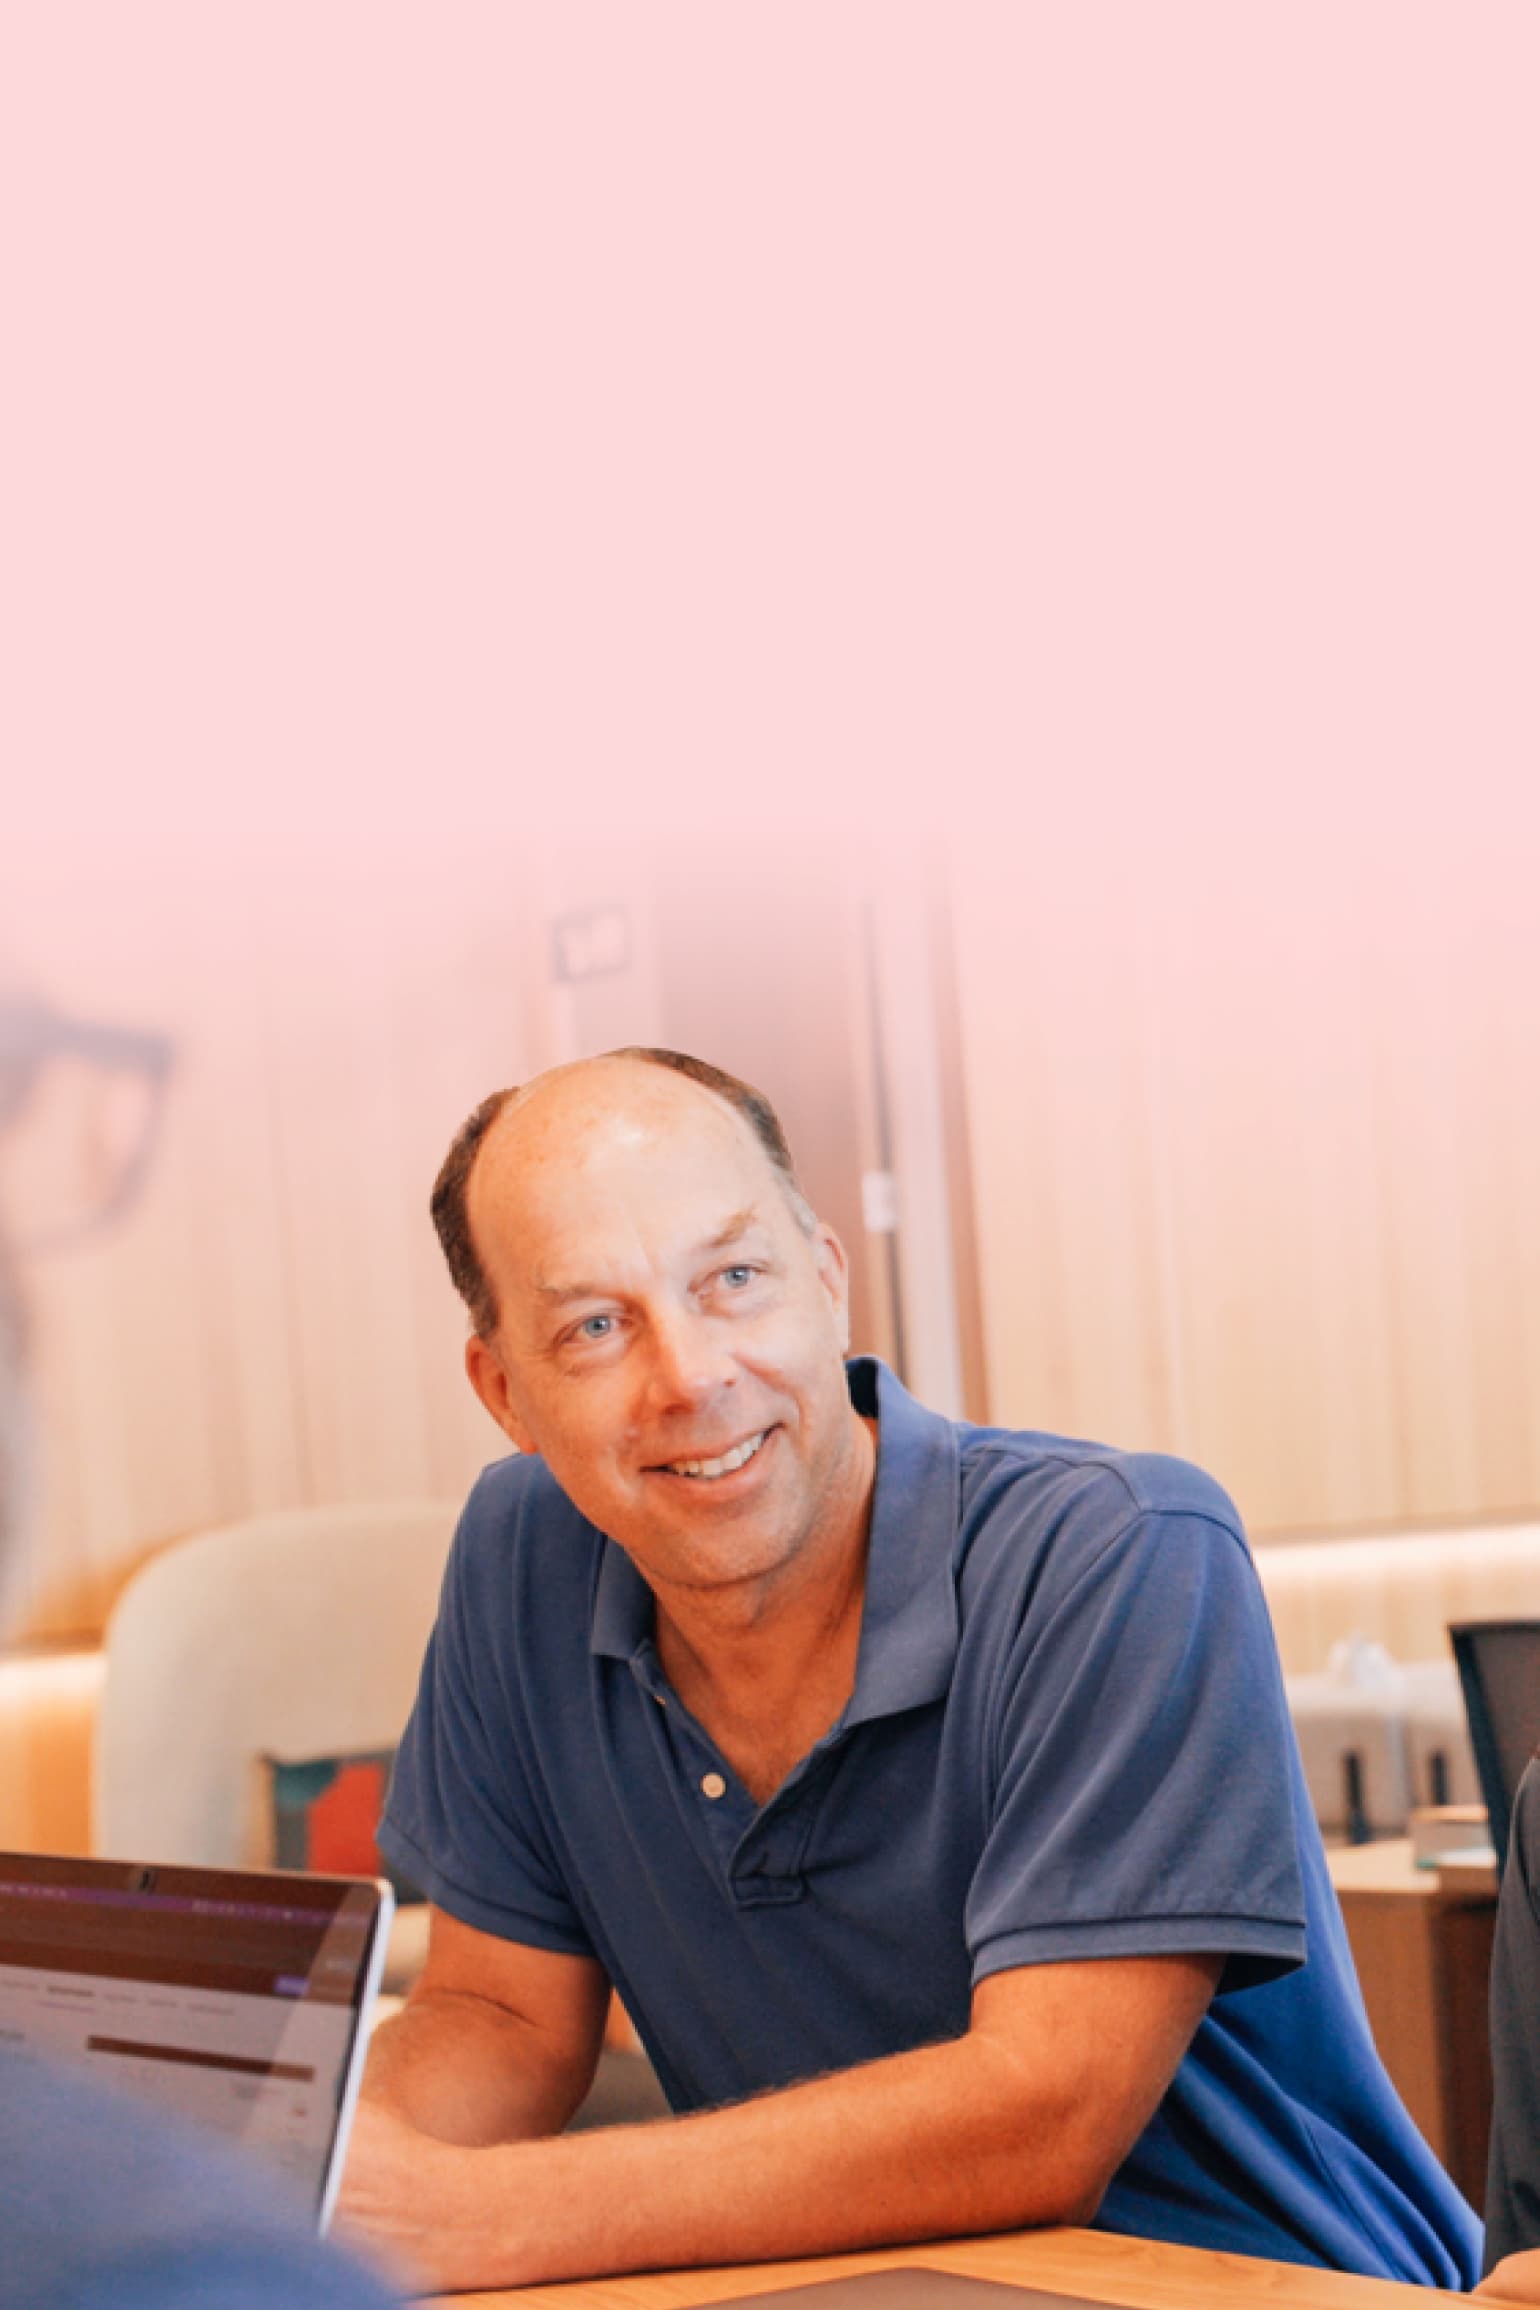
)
(447, 1202)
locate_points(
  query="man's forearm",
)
(924, 2144)
(1023, 2120)
(469, 2072)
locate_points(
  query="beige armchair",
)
(293, 1635)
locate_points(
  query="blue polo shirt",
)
(1067, 1740)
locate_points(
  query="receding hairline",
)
(525, 1095)
(522, 1096)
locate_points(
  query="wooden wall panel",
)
(1069, 1235)
(1256, 1030)
(1252, 1156)
(1433, 1106)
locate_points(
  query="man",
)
(103, 2205)
(926, 1791)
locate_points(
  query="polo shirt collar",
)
(909, 1618)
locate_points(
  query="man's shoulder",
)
(1064, 1476)
(1023, 1492)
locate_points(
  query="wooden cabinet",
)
(1422, 1943)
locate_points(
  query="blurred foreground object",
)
(92, 1096)
(107, 2205)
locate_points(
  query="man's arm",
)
(497, 2043)
(1023, 2120)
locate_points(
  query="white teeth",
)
(723, 1467)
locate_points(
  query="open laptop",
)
(236, 1999)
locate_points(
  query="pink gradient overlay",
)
(432, 426)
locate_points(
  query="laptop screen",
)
(232, 1998)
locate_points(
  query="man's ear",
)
(484, 1369)
(834, 1274)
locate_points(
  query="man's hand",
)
(415, 2206)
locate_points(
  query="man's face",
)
(670, 1338)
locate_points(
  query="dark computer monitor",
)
(1499, 1664)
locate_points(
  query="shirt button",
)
(713, 1785)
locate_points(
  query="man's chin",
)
(737, 1558)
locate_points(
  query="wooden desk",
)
(1422, 1943)
(1132, 2271)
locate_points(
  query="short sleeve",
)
(1144, 1775)
(463, 1818)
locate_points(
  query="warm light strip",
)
(48, 1704)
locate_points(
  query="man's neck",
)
(767, 1668)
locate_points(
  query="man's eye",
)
(736, 1277)
(596, 1327)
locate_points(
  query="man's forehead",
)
(604, 1129)
(610, 1104)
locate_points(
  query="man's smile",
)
(726, 1464)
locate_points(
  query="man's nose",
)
(690, 1359)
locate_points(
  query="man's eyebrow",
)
(731, 1231)
(558, 1294)
(734, 1229)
